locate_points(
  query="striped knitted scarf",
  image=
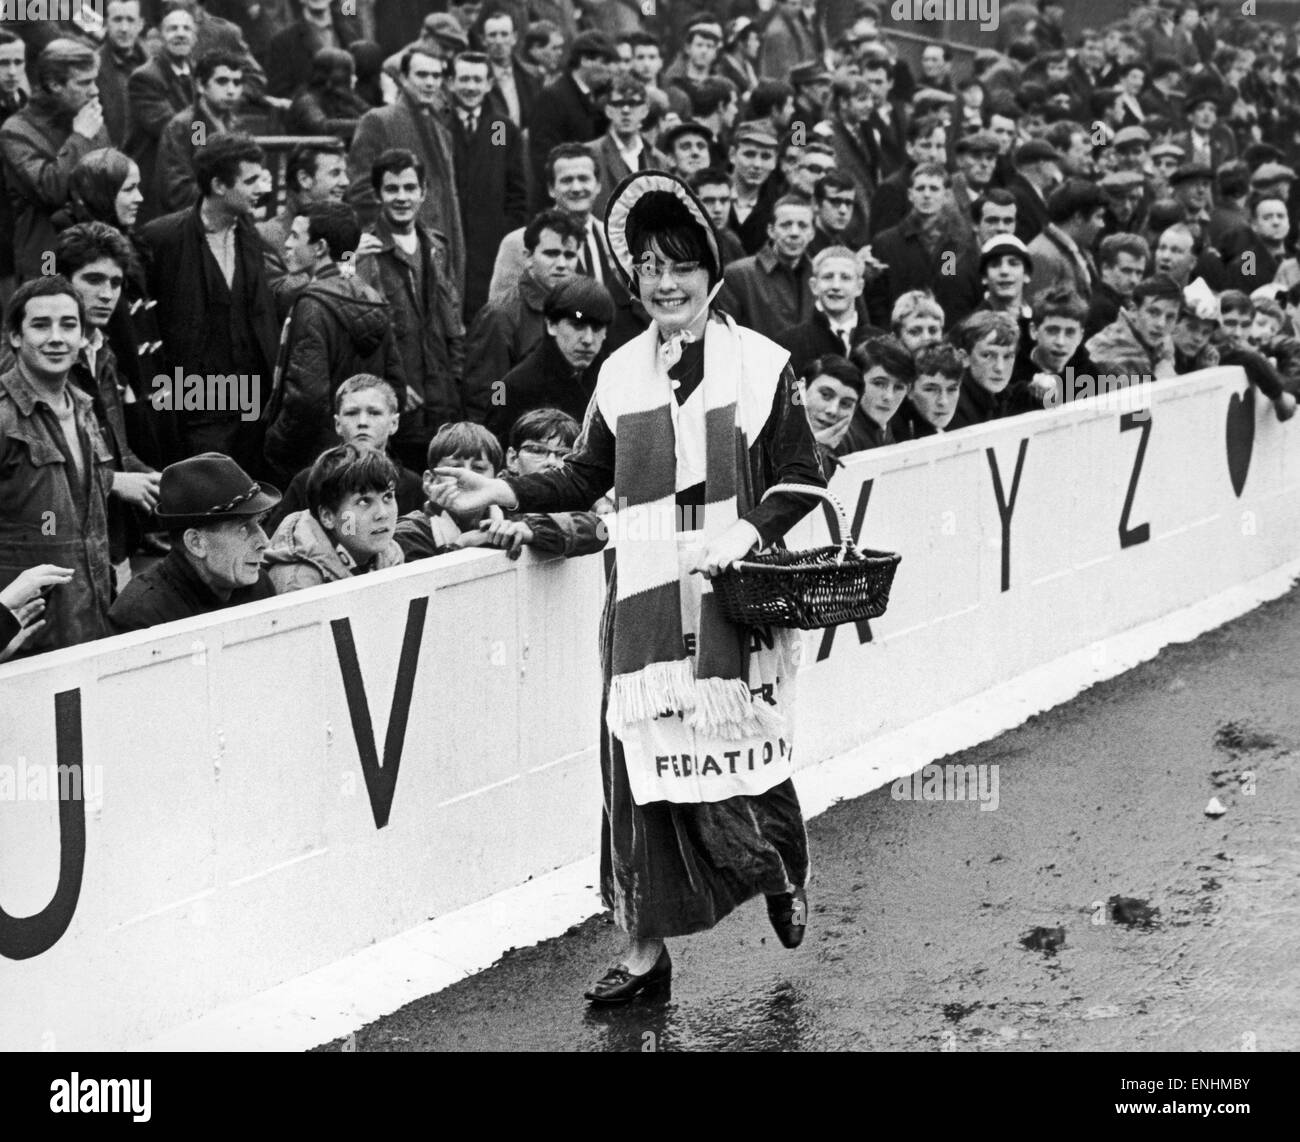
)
(662, 449)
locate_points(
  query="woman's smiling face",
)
(673, 293)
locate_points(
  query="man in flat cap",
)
(754, 190)
(1038, 171)
(1207, 141)
(560, 371)
(1165, 159)
(213, 511)
(812, 93)
(1192, 184)
(1132, 149)
(1126, 202)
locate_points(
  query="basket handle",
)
(846, 540)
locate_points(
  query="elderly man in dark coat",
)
(214, 512)
(413, 124)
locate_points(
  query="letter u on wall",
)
(22, 937)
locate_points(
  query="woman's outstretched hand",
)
(735, 543)
(463, 491)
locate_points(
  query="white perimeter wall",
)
(230, 839)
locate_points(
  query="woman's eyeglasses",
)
(653, 270)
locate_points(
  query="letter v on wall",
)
(381, 782)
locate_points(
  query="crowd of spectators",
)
(231, 367)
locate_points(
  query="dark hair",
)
(205, 67)
(222, 158)
(834, 366)
(1232, 179)
(680, 238)
(345, 470)
(566, 151)
(326, 62)
(888, 353)
(1235, 301)
(404, 65)
(543, 424)
(538, 34)
(1113, 245)
(1161, 287)
(709, 176)
(463, 438)
(394, 161)
(52, 285)
(305, 159)
(768, 95)
(1072, 197)
(336, 224)
(1059, 301)
(641, 39)
(833, 180)
(995, 195)
(922, 127)
(95, 182)
(1165, 212)
(88, 242)
(877, 59)
(625, 87)
(563, 224)
(710, 94)
(475, 59)
(939, 357)
(1252, 203)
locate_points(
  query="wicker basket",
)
(808, 589)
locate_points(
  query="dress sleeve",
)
(786, 453)
(587, 474)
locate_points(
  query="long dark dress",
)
(668, 869)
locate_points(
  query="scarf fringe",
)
(648, 692)
(724, 708)
(716, 707)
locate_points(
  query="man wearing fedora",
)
(213, 512)
(1208, 141)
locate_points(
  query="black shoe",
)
(618, 985)
(788, 912)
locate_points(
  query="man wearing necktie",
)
(491, 186)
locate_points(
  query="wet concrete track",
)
(1097, 908)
